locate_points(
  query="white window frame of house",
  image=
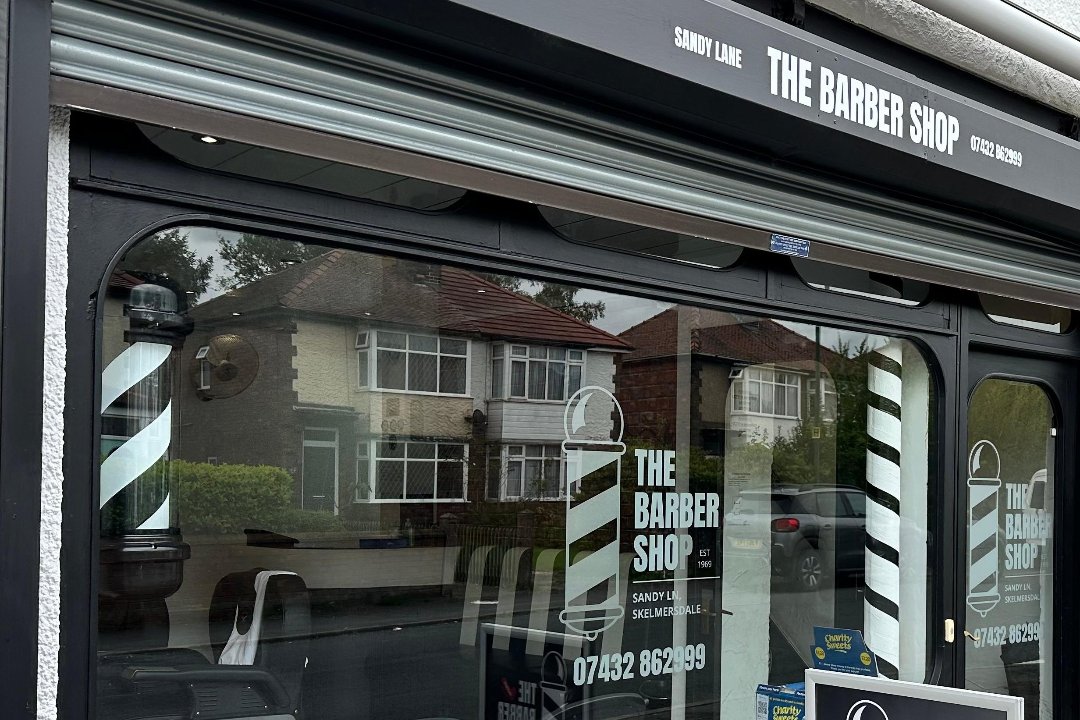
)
(362, 346)
(764, 376)
(375, 347)
(306, 443)
(205, 369)
(362, 492)
(828, 400)
(373, 458)
(506, 357)
(520, 455)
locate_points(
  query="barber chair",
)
(181, 684)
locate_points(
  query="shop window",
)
(861, 283)
(536, 372)
(1025, 314)
(237, 158)
(434, 524)
(618, 235)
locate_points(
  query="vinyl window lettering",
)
(437, 496)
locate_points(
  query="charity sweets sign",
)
(839, 696)
(745, 54)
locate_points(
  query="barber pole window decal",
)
(984, 483)
(591, 520)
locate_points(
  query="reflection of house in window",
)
(534, 472)
(750, 379)
(416, 362)
(766, 391)
(205, 368)
(319, 471)
(415, 470)
(535, 372)
(381, 378)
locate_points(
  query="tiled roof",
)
(120, 280)
(383, 289)
(718, 334)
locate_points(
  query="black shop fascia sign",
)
(761, 62)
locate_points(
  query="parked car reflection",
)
(812, 532)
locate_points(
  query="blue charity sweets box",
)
(842, 650)
(781, 702)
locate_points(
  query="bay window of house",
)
(766, 391)
(429, 539)
(536, 372)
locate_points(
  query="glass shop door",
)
(1016, 467)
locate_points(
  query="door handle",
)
(969, 636)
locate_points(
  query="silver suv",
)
(814, 531)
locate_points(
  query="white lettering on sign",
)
(709, 47)
(857, 101)
(991, 149)
(791, 74)
(667, 511)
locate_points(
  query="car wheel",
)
(809, 573)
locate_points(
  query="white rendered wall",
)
(910, 23)
(52, 437)
(1063, 13)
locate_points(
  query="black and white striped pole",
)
(142, 550)
(881, 611)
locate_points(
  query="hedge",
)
(233, 498)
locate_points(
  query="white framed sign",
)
(839, 696)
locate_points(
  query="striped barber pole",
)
(881, 611)
(136, 393)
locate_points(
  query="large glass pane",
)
(391, 370)
(452, 374)
(389, 480)
(420, 480)
(423, 372)
(538, 380)
(497, 372)
(427, 553)
(517, 379)
(1010, 533)
(556, 380)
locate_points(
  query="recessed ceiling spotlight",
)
(208, 139)
(236, 314)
